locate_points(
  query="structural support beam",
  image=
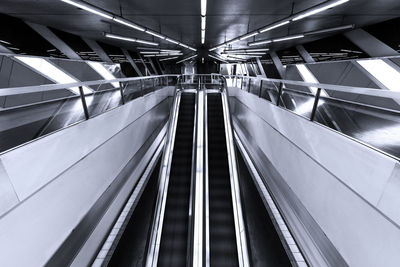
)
(97, 49)
(131, 61)
(5, 50)
(159, 65)
(260, 66)
(154, 67)
(370, 44)
(278, 64)
(304, 54)
(47, 34)
(145, 66)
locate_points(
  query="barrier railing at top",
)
(31, 112)
(369, 116)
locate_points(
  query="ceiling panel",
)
(180, 19)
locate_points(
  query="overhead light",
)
(186, 59)
(274, 26)
(203, 7)
(162, 55)
(259, 42)
(171, 40)
(203, 36)
(183, 45)
(288, 38)
(203, 23)
(106, 74)
(129, 24)
(246, 50)
(156, 34)
(249, 53)
(319, 8)
(192, 48)
(135, 40)
(117, 19)
(340, 28)
(89, 8)
(51, 72)
(169, 58)
(219, 59)
(244, 37)
(5, 42)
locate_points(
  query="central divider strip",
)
(199, 185)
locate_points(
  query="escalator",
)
(176, 243)
(174, 239)
(223, 249)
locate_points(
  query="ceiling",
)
(180, 19)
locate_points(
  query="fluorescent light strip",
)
(319, 8)
(259, 43)
(163, 55)
(248, 36)
(89, 8)
(100, 69)
(99, 12)
(246, 50)
(129, 24)
(155, 34)
(51, 72)
(288, 38)
(186, 59)
(314, 10)
(203, 23)
(134, 40)
(203, 7)
(244, 53)
(274, 26)
(169, 58)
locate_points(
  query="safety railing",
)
(34, 111)
(370, 116)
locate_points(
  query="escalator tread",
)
(223, 249)
(173, 248)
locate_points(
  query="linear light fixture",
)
(249, 35)
(168, 58)
(319, 8)
(129, 24)
(383, 72)
(246, 53)
(274, 26)
(311, 11)
(97, 11)
(186, 59)
(203, 20)
(128, 39)
(163, 55)
(89, 8)
(246, 50)
(297, 36)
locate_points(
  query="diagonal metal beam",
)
(97, 49)
(278, 64)
(370, 44)
(47, 34)
(260, 66)
(154, 67)
(304, 54)
(131, 61)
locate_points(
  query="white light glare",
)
(129, 24)
(100, 69)
(244, 37)
(203, 23)
(155, 34)
(203, 7)
(307, 76)
(269, 28)
(89, 9)
(135, 40)
(260, 42)
(289, 38)
(319, 9)
(383, 72)
(52, 72)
